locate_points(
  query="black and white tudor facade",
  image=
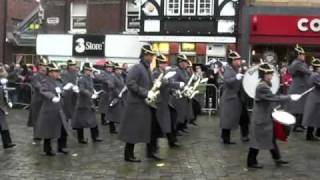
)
(209, 24)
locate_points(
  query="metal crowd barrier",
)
(208, 98)
(21, 95)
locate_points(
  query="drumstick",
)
(307, 91)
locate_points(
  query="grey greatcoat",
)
(36, 99)
(231, 106)
(262, 124)
(115, 113)
(300, 75)
(70, 97)
(181, 105)
(107, 80)
(3, 110)
(135, 126)
(163, 110)
(84, 116)
(50, 116)
(311, 116)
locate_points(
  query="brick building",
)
(273, 27)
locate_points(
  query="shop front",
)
(274, 31)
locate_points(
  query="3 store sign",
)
(305, 24)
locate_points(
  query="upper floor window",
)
(78, 21)
(173, 7)
(205, 7)
(189, 7)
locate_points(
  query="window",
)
(78, 18)
(189, 7)
(173, 7)
(205, 7)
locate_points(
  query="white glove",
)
(239, 76)
(10, 104)
(94, 96)
(157, 84)
(4, 81)
(295, 97)
(67, 86)
(151, 95)
(56, 99)
(75, 89)
(58, 90)
(181, 84)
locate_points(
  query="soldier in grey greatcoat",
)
(85, 116)
(163, 110)
(37, 98)
(135, 126)
(231, 105)
(180, 104)
(107, 80)
(115, 111)
(69, 78)
(51, 115)
(4, 129)
(300, 75)
(262, 135)
(311, 115)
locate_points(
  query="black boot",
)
(252, 159)
(225, 136)
(298, 127)
(172, 141)
(6, 139)
(81, 139)
(112, 128)
(151, 152)
(129, 153)
(47, 147)
(103, 120)
(95, 134)
(309, 135)
(62, 142)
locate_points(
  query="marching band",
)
(148, 105)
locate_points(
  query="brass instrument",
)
(155, 89)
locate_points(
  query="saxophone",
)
(155, 89)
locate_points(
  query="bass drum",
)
(251, 80)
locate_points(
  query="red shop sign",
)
(279, 25)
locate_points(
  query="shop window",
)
(205, 7)
(78, 21)
(226, 26)
(173, 7)
(189, 7)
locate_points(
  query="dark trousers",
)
(103, 118)
(196, 107)
(155, 134)
(244, 122)
(93, 131)
(6, 138)
(253, 153)
(112, 127)
(310, 132)
(62, 142)
(173, 117)
(299, 118)
(129, 151)
(226, 135)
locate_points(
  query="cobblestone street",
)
(202, 157)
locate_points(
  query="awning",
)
(196, 39)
